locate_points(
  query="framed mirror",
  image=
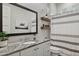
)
(18, 20)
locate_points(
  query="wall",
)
(61, 7)
(65, 31)
(52, 8)
(42, 34)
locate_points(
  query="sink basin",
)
(29, 42)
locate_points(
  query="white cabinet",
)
(15, 54)
(46, 49)
(43, 49)
(39, 50)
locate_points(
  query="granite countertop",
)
(16, 47)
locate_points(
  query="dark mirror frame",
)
(20, 6)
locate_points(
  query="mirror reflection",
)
(18, 20)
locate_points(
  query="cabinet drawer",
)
(44, 49)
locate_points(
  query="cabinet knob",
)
(36, 49)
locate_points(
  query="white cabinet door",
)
(43, 49)
(39, 50)
(46, 49)
(14, 54)
(27, 52)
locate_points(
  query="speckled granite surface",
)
(16, 47)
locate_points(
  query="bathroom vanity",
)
(32, 49)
